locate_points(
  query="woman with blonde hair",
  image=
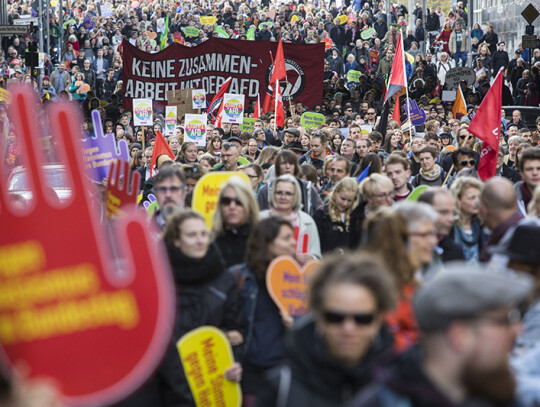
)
(334, 219)
(236, 213)
(467, 231)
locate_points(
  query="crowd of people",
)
(385, 206)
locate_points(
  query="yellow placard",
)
(294, 18)
(342, 19)
(5, 96)
(206, 353)
(206, 192)
(208, 20)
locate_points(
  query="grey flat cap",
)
(462, 292)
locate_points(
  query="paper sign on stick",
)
(248, 124)
(120, 192)
(208, 20)
(101, 150)
(106, 10)
(142, 112)
(312, 119)
(206, 354)
(195, 129)
(96, 326)
(170, 120)
(205, 194)
(233, 108)
(287, 283)
(198, 98)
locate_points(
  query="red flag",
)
(397, 80)
(486, 125)
(436, 90)
(216, 102)
(160, 147)
(219, 117)
(257, 111)
(280, 113)
(397, 115)
(279, 73)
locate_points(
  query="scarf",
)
(433, 174)
(526, 194)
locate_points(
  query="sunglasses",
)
(467, 162)
(335, 317)
(226, 201)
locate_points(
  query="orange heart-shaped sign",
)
(151, 35)
(84, 88)
(288, 283)
(79, 83)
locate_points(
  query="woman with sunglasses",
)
(330, 354)
(264, 341)
(235, 215)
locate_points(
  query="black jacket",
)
(232, 244)
(310, 377)
(402, 382)
(206, 295)
(333, 235)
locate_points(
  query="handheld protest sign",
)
(121, 192)
(206, 353)
(460, 73)
(269, 24)
(170, 120)
(206, 192)
(101, 150)
(354, 76)
(191, 31)
(288, 283)
(195, 128)
(151, 35)
(208, 20)
(248, 124)
(312, 119)
(198, 98)
(96, 326)
(416, 192)
(142, 112)
(417, 116)
(233, 108)
(367, 33)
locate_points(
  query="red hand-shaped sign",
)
(65, 310)
(118, 192)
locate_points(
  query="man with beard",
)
(170, 191)
(469, 321)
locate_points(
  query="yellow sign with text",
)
(208, 20)
(206, 192)
(206, 353)
(5, 96)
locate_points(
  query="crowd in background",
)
(384, 326)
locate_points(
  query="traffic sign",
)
(530, 14)
(26, 21)
(13, 29)
(528, 41)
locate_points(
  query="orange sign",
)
(287, 283)
(151, 35)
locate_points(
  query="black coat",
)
(310, 377)
(206, 295)
(333, 235)
(499, 60)
(232, 244)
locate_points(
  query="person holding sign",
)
(206, 295)
(264, 347)
(285, 201)
(330, 353)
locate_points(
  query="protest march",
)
(268, 203)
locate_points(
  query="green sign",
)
(312, 119)
(250, 35)
(248, 124)
(367, 33)
(416, 192)
(354, 76)
(221, 32)
(66, 23)
(267, 23)
(191, 32)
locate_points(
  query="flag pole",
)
(406, 84)
(275, 106)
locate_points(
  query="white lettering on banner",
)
(139, 89)
(235, 64)
(153, 69)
